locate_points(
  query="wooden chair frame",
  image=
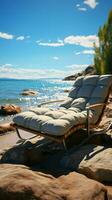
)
(62, 138)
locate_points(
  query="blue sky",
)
(49, 38)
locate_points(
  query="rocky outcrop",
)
(28, 92)
(88, 71)
(6, 127)
(9, 109)
(19, 182)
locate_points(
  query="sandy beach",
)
(11, 138)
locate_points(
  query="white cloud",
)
(6, 36)
(77, 53)
(88, 52)
(77, 67)
(85, 41)
(81, 40)
(82, 9)
(51, 44)
(77, 5)
(28, 36)
(56, 58)
(85, 52)
(10, 71)
(20, 38)
(91, 3)
(6, 65)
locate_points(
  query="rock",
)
(88, 71)
(19, 182)
(93, 161)
(9, 109)
(25, 153)
(109, 192)
(29, 92)
(6, 127)
(72, 77)
(98, 165)
(66, 90)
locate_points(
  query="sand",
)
(11, 138)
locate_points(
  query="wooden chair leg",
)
(17, 131)
(23, 139)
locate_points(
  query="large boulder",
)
(93, 161)
(19, 182)
(98, 165)
(6, 127)
(28, 152)
(9, 109)
(90, 70)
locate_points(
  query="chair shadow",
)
(49, 157)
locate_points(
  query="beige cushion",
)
(41, 110)
(31, 120)
(49, 124)
(67, 102)
(63, 124)
(79, 103)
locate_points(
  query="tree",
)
(103, 52)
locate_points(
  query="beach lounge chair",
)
(83, 108)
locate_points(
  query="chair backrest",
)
(90, 90)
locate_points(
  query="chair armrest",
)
(95, 105)
(88, 114)
(52, 101)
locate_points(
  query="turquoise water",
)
(47, 89)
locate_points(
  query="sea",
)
(47, 89)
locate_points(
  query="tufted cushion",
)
(41, 110)
(105, 80)
(67, 102)
(78, 81)
(31, 120)
(87, 90)
(49, 123)
(73, 92)
(90, 80)
(79, 103)
(100, 91)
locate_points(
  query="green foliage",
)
(103, 53)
